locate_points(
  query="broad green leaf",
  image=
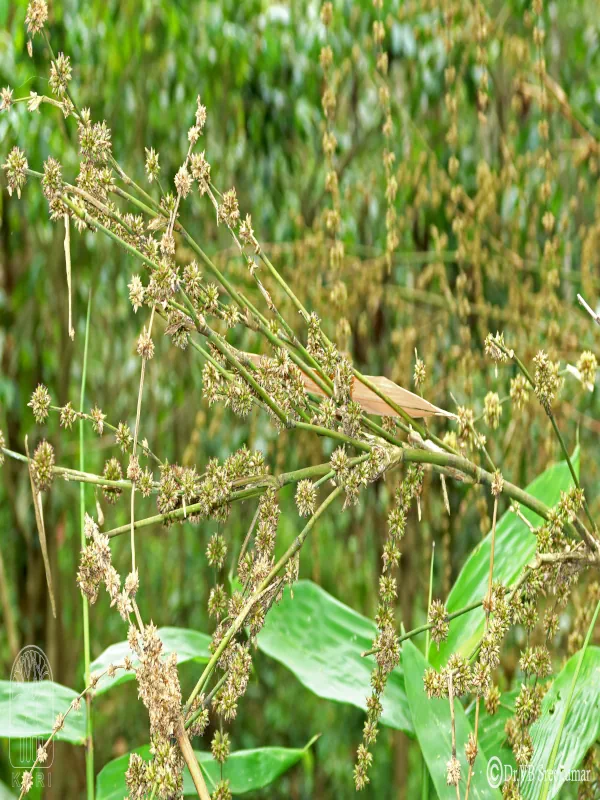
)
(515, 547)
(321, 640)
(581, 730)
(30, 709)
(492, 737)
(186, 643)
(247, 770)
(433, 729)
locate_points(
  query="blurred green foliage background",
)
(140, 64)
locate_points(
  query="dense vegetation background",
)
(140, 66)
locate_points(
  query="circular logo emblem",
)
(31, 706)
(494, 772)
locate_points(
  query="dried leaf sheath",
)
(414, 405)
(39, 518)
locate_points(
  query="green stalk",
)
(427, 638)
(554, 753)
(561, 441)
(409, 455)
(89, 749)
(257, 487)
(424, 770)
(72, 474)
(261, 590)
(428, 626)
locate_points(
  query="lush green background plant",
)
(255, 64)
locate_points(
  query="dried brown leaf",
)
(371, 403)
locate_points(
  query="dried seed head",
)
(216, 551)
(492, 410)
(6, 100)
(145, 345)
(587, 366)
(42, 465)
(37, 14)
(40, 403)
(220, 747)
(222, 791)
(94, 140)
(419, 373)
(492, 700)
(152, 164)
(339, 463)
(60, 74)
(519, 391)
(497, 483)
(453, 772)
(246, 232)
(438, 617)
(364, 759)
(547, 381)
(68, 415)
(145, 483)
(16, 166)
(200, 114)
(112, 472)
(136, 777)
(136, 292)
(26, 782)
(217, 601)
(495, 347)
(132, 583)
(123, 436)
(510, 789)
(229, 211)
(467, 435)
(327, 13)
(306, 496)
(183, 182)
(97, 420)
(326, 58)
(434, 684)
(95, 564)
(200, 169)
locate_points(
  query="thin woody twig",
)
(591, 312)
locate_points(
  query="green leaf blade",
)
(492, 737)
(433, 730)
(582, 726)
(515, 547)
(188, 644)
(29, 709)
(246, 770)
(321, 640)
